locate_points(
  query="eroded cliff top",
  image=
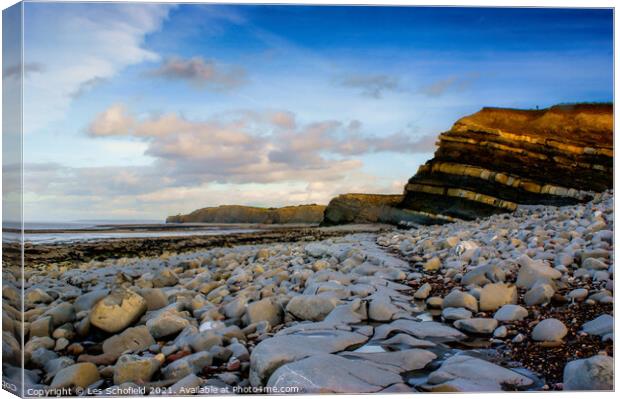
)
(249, 214)
(586, 123)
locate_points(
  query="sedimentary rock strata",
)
(362, 208)
(496, 159)
(249, 214)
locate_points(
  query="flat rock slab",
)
(272, 353)
(399, 362)
(333, 374)
(419, 329)
(466, 374)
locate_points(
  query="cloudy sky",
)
(139, 111)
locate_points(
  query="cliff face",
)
(361, 208)
(494, 160)
(247, 214)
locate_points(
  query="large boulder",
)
(460, 299)
(552, 330)
(264, 310)
(78, 375)
(117, 311)
(133, 339)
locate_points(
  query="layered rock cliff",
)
(361, 208)
(494, 160)
(247, 214)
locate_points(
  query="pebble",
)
(552, 330)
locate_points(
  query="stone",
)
(399, 340)
(87, 301)
(477, 325)
(578, 294)
(32, 296)
(281, 349)
(235, 308)
(401, 361)
(133, 339)
(155, 298)
(78, 375)
(423, 292)
(500, 332)
(310, 307)
(166, 324)
(432, 264)
(239, 351)
(117, 311)
(494, 296)
(434, 302)
(594, 264)
(602, 325)
(465, 373)
(61, 314)
(165, 278)
(138, 369)
(539, 294)
(264, 310)
(327, 373)
(192, 364)
(381, 308)
(452, 314)
(533, 271)
(61, 344)
(459, 299)
(594, 373)
(419, 329)
(511, 313)
(41, 327)
(188, 385)
(482, 275)
(552, 330)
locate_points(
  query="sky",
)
(140, 111)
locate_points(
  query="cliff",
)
(494, 160)
(247, 214)
(361, 208)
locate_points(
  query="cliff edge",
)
(248, 214)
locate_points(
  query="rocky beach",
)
(520, 301)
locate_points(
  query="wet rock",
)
(400, 361)
(477, 325)
(117, 311)
(494, 296)
(594, 373)
(463, 373)
(552, 330)
(310, 307)
(511, 313)
(602, 325)
(333, 374)
(78, 375)
(460, 299)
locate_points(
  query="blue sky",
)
(145, 110)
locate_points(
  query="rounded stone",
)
(117, 311)
(549, 330)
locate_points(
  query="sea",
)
(90, 230)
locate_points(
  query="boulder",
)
(325, 373)
(552, 330)
(166, 323)
(511, 313)
(602, 325)
(535, 271)
(78, 375)
(264, 310)
(87, 301)
(117, 311)
(192, 364)
(540, 294)
(465, 373)
(494, 296)
(477, 325)
(310, 307)
(452, 314)
(138, 369)
(460, 299)
(419, 329)
(594, 373)
(133, 339)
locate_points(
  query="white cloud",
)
(74, 45)
(201, 73)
